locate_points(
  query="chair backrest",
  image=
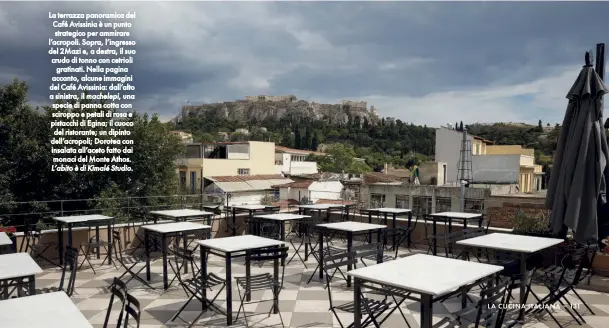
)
(335, 262)
(132, 310)
(117, 289)
(186, 257)
(576, 259)
(71, 261)
(365, 250)
(491, 305)
(275, 253)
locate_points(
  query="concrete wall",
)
(448, 148)
(496, 168)
(432, 171)
(499, 189)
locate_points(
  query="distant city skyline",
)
(427, 63)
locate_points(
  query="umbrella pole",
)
(600, 60)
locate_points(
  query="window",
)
(193, 182)
(402, 201)
(377, 200)
(243, 171)
(182, 180)
(443, 204)
(474, 206)
(421, 205)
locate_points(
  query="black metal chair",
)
(93, 245)
(262, 282)
(488, 311)
(560, 280)
(37, 248)
(303, 237)
(118, 289)
(138, 219)
(70, 261)
(130, 261)
(372, 307)
(132, 310)
(194, 287)
(328, 249)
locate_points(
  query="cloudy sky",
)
(429, 63)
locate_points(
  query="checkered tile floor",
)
(301, 304)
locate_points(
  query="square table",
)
(321, 207)
(52, 310)
(351, 228)
(427, 275)
(233, 247)
(250, 209)
(280, 219)
(92, 218)
(394, 213)
(182, 215)
(4, 239)
(164, 230)
(450, 216)
(17, 266)
(522, 245)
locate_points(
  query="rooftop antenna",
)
(464, 167)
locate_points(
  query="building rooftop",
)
(282, 149)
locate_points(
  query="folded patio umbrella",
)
(578, 183)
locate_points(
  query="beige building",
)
(204, 160)
(490, 164)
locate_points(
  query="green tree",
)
(461, 126)
(26, 160)
(315, 142)
(297, 138)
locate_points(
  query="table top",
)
(175, 227)
(183, 213)
(52, 310)
(238, 243)
(18, 265)
(511, 242)
(321, 206)
(282, 216)
(389, 210)
(4, 239)
(82, 218)
(426, 274)
(457, 215)
(250, 207)
(352, 226)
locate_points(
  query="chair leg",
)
(582, 300)
(86, 258)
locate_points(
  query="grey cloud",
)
(325, 50)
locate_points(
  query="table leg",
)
(147, 250)
(379, 232)
(369, 232)
(165, 280)
(357, 300)
(209, 223)
(450, 229)
(248, 274)
(32, 285)
(110, 242)
(203, 276)
(409, 227)
(70, 234)
(385, 222)
(234, 222)
(434, 233)
(523, 280)
(282, 237)
(275, 288)
(185, 244)
(60, 242)
(394, 245)
(97, 240)
(229, 291)
(321, 254)
(426, 311)
(349, 248)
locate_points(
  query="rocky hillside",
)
(294, 110)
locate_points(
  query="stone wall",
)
(502, 208)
